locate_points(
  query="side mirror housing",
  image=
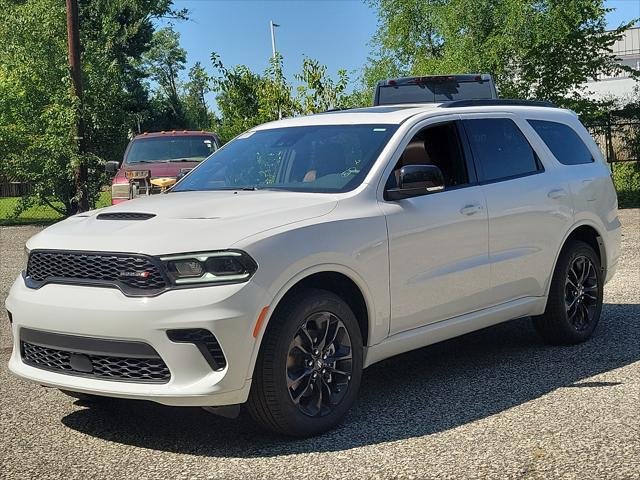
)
(111, 167)
(416, 180)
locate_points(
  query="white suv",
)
(310, 248)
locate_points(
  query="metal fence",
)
(618, 136)
(18, 206)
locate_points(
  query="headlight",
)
(227, 266)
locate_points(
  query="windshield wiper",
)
(182, 160)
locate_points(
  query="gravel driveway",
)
(493, 404)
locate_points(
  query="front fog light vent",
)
(206, 342)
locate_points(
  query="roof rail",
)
(497, 102)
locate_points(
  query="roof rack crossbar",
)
(497, 102)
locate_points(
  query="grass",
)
(626, 176)
(38, 214)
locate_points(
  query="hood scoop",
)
(125, 216)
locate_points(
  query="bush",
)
(626, 176)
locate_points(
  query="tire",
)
(287, 363)
(575, 297)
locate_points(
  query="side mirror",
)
(416, 180)
(111, 167)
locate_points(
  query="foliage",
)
(197, 111)
(37, 110)
(534, 48)
(164, 61)
(319, 92)
(246, 98)
(626, 176)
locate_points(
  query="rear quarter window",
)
(563, 141)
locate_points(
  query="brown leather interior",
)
(437, 146)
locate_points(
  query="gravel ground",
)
(493, 404)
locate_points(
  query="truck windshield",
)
(325, 158)
(436, 92)
(170, 149)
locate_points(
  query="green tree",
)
(197, 111)
(36, 106)
(534, 48)
(318, 91)
(246, 98)
(238, 98)
(164, 61)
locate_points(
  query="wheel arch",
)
(586, 232)
(338, 279)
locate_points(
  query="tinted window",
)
(499, 148)
(563, 141)
(323, 158)
(429, 92)
(437, 145)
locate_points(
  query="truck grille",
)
(133, 274)
(149, 370)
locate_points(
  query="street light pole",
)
(273, 53)
(273, 37)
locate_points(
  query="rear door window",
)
(500, 149)
(563, 141)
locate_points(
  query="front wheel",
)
(309, 368)
(575, 297)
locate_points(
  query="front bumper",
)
(228, 311)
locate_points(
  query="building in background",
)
(619, 86)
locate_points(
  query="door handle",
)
(557, 193)
(471, 209)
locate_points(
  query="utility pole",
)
(73, 42)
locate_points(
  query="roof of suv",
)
(397, 114)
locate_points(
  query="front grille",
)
(148, 370)
(134, 274)
(125, 216)
(206, 342)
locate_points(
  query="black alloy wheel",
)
(574, 303)
(319, 364)
(309, 368)
(581, 293)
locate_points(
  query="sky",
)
(334, 32)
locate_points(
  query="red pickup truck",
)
(159, 155)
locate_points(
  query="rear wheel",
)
(309, 368)
(575, 297)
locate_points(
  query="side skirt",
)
(453, 327)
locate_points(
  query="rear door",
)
(528, 204)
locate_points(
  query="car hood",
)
(184, 222)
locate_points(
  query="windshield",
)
(326, 158)
(181, 148)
